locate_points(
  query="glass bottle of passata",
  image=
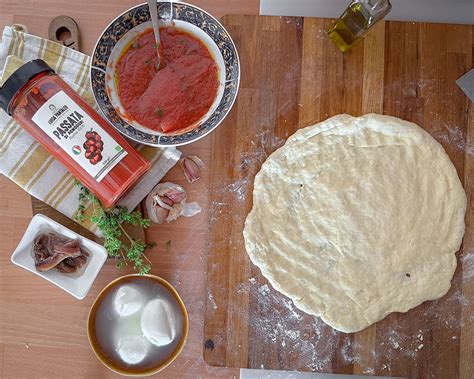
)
(70, 130)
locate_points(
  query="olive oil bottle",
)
(358, 18)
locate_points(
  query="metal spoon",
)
(156, 29)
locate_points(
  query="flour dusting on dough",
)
(308, 337)
(375, 194)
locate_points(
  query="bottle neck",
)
(26, 89)
(372, 10)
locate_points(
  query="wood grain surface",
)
(42, 328)
(293, 76)
(38, 206)
(92, 17)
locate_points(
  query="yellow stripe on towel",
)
(40, 172)
(66, 192)
(26, 172)
(52, 53)
(23, 157)
(64, 187)
(53, 190)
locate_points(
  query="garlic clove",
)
(176, 195)
(163, 188)
(167, 202)
(156, 213)
(159, 215)
(163, 201)
(192, 167)
(175, 212)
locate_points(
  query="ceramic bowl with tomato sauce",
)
(184, 98)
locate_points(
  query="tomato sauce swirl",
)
(175, 96)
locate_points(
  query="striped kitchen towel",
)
(25, 162)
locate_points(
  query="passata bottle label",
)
(79, 135)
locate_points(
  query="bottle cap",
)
(18, 79)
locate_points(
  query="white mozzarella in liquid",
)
(158, 323)
(128, 300)
(132, 349)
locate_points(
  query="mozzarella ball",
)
(128, 300)
(132, 349)
(158, 323)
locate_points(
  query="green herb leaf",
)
(168, 245)
(144, 270)
(159, 112)
(109, 222)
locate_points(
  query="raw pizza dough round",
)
(357, 217)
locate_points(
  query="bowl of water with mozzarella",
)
(137, 325)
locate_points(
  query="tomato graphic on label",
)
(90, 154)
(93, 147)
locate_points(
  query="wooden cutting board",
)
(293, 76)
(134, 231)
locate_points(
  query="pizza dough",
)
(357, 217)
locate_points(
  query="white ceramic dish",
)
(77, 284)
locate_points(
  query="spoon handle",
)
(156, 28)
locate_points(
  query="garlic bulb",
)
(192, 167)
(167, 202)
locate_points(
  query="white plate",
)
(78, 285)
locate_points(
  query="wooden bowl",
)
(119, 367)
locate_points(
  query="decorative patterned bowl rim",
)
(187, 141)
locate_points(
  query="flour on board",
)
(279, 322)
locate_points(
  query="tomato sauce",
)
(175, 96)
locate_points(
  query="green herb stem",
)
(110, 223)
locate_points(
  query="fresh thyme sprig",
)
(110, 223)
